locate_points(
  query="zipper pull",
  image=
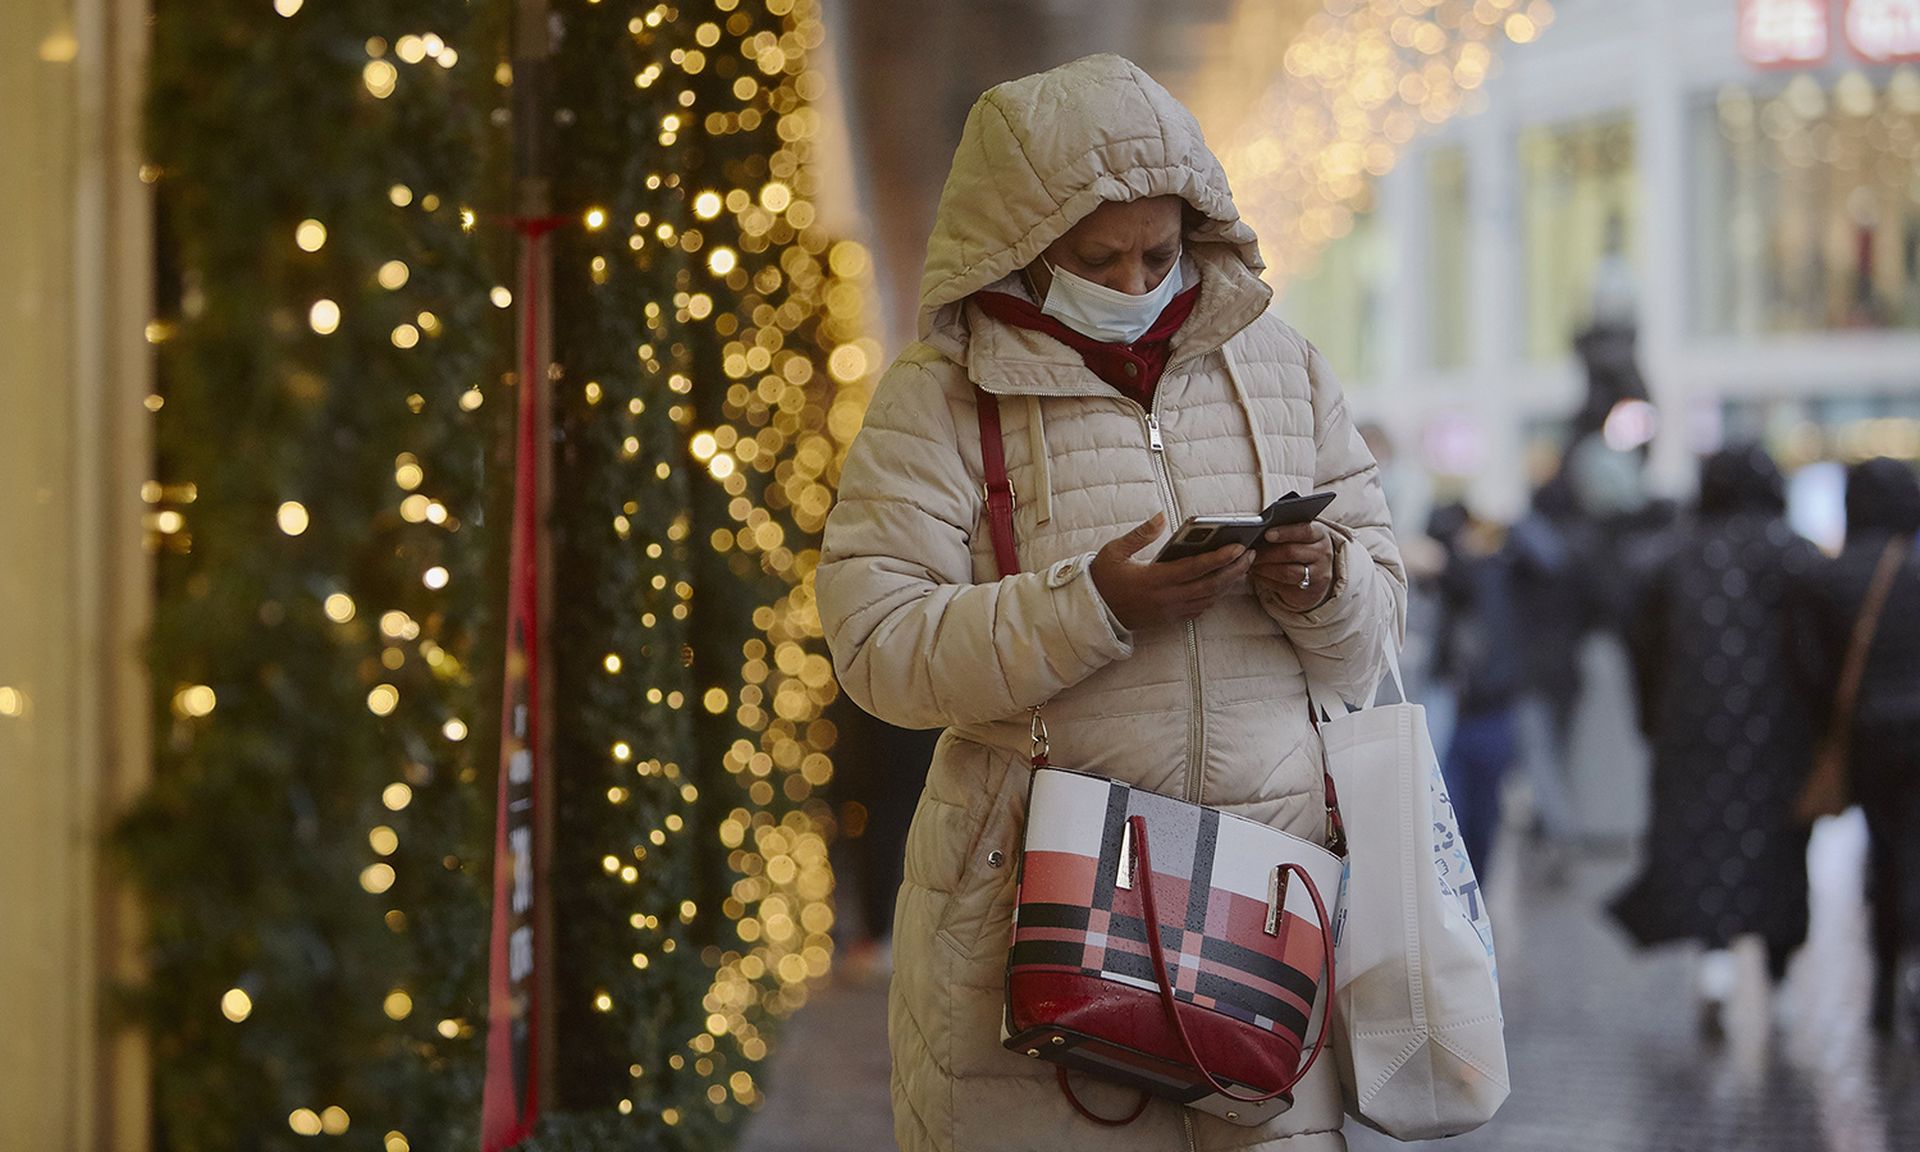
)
(1153, 434)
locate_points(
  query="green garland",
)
(315, 854)
(256, 847)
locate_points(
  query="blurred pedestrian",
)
(1088, 269)
(1479, 655)
(1552, 553)
(1727, 663)
(1883, 735)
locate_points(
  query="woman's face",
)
(1128, 247)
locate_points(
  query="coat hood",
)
(1741, 478)
(1882, 495)
(1040, 153)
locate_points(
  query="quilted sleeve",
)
(915, 641)
(1340, 642)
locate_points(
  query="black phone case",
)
(1292, 508)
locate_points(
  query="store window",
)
(1846, 428)
(1336, 302)
(1806, 205)
(1580, 207)
(1450, 318)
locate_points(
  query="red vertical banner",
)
(1884, 31)
(1784, 33)
(509, 1103)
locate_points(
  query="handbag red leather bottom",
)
(1216, 1017)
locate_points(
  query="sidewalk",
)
(827, 1083)
(1602, 1042)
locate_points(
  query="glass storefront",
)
(1806, 205)
(1579, 197)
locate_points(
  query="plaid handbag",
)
(1197, 978)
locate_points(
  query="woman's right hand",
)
(1141, 593)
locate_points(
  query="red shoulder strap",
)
(999, 489)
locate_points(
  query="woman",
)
(1883, 507)
(1088, 268)
(1729, 690)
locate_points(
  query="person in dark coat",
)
(1883, 507)
(1727, 668)
(1479, 654)
(1552, 554)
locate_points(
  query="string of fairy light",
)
(1360, 80)
(793, 301)
(795, 294)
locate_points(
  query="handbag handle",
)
(1158, 952)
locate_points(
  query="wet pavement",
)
(1604, 1043)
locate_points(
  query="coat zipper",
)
(1196, 730)
(1196, 723)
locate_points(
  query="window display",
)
(1806, 205)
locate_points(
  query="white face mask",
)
(1100, 312)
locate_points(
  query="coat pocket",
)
(978, 914)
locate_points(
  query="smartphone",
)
(1205, 533)
(1200, 534)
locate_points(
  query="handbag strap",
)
(1866, 625)
(1001, 502)
(1158, 951)
(998, 489)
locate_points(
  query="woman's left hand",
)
(1295, 564)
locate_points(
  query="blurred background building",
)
(1757, 218)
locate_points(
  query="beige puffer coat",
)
(925, 634)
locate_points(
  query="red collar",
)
(1133, 369)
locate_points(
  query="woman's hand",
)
(1295, 565)
(1141, 592)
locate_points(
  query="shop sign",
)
(1785, 33)
(1884, 31)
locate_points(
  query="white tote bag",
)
(1419, 1040)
